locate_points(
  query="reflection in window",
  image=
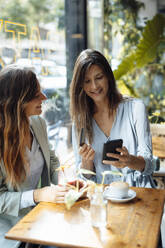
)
(32, 35)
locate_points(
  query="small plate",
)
(131, 195)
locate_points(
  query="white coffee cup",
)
(117, 190)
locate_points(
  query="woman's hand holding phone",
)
(123, 158)
(110, 147)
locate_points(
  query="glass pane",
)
(95, 24)
(32, 35)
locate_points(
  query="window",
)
(32, 34)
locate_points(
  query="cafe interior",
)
(47, 37)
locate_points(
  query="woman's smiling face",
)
(96, 84)
(34, 107)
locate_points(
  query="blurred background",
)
(48, 35)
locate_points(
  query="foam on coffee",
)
(120, 185)
(117, 189)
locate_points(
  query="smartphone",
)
(82, 137)
(110, 146)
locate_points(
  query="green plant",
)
(150, 46)
(142, 71)
(120, 18)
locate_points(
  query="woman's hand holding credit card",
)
(86, 152)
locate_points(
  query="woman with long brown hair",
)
(27, 165)
(105, 114)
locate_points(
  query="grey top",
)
(131, 124)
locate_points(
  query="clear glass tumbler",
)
(98, 208)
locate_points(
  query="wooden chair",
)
(158, 144)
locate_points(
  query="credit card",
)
(82, 137)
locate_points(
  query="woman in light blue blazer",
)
(27, 165)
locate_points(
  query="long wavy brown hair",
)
(18, 86)
(81, 105)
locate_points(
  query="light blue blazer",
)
(10, 213)
(132, 126)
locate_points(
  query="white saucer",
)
(131, 195)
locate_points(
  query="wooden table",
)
(132, 224)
